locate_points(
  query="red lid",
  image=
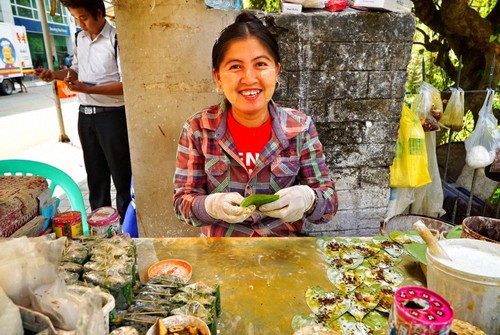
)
(67, 217)
(419, 305)
(103, 216)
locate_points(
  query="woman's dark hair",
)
(92, 6)
(246, 25)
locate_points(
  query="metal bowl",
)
(404, 222)
(481, 228)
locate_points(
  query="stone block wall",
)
(348, 71)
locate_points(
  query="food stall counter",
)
(262, 280)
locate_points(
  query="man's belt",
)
(98, 109)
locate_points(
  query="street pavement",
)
(29, 129)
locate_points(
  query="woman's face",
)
(247, 74)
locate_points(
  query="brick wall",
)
(348, 71)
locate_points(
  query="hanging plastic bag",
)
(429, 198)
(409, 167)
(399, 201)
(453, 116)
(482, 143)
(428, 106)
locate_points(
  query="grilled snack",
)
(178, 330)
(459, 327)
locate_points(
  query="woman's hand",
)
(293, 202)
(226, 207)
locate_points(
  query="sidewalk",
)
(66, 156)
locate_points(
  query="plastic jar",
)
(67, 224)
(470, 281)
(104, 221)
(419, 311)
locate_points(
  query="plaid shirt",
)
(208, 162)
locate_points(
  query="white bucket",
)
(470, 282)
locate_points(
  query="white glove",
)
(226, 207)
(294, 201)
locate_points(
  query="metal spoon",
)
(430, 240)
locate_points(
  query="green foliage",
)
(422, 64)
(264, 5)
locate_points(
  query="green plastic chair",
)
(55, 177)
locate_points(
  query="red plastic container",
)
(420, 311)
(67, 224)
(104, 221)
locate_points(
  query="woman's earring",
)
(278, 85)
(219, 91)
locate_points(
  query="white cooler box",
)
(390, 5)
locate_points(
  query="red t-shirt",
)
(249, 141)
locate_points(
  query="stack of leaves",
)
(166, 295)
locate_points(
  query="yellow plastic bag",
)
(410, 165)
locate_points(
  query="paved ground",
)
(38, 138)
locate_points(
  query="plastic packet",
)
(10, 317)
(453, 116)
(335, 5)
(482, 143)
(428, 106)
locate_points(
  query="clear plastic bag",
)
(482, 143)
(453, 116)
(399, 201)
(10, 317)
(428, 106)
(29, 277)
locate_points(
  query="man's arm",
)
(108, 89)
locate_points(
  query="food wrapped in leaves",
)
(166, 280)
(115, 247)
(75, 252)
(194, 308)
(365, 277)
(137, 320)
(71, 267)
(70, 278)
(124, 266)
(327, 306)
(146, 307)
(119, 285)
(198, 288)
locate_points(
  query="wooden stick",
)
(431, 241)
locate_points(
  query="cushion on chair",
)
(18, 201)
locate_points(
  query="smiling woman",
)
(249, 145)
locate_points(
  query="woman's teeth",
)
(250, 93)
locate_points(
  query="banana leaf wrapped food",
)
(166, 295)
(118, 285)
(75, 252)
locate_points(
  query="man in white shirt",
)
(96, 76)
